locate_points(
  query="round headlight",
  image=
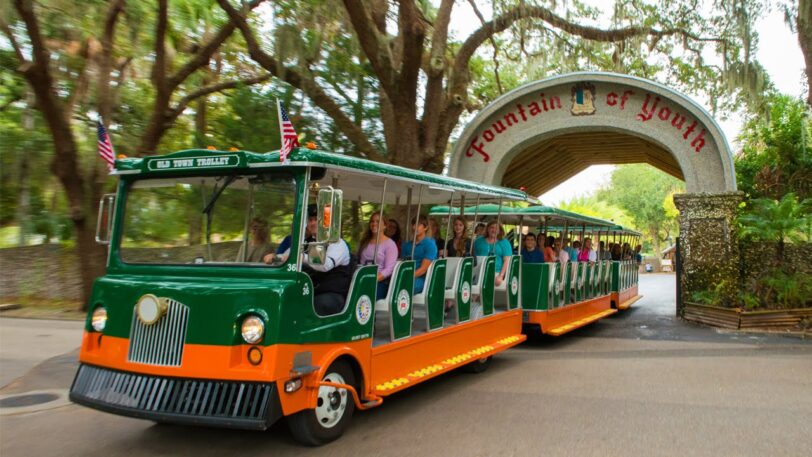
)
(99, 319)
(253, 329)
(150, 308)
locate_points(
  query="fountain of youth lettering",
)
(544, 132)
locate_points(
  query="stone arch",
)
(587, 118)
(540, 134)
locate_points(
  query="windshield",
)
(231, 219)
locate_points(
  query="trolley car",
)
(186, 326)
(556, 297)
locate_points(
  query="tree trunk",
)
(804, 26)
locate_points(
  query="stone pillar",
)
(709, 243)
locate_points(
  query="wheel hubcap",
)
(332, 402)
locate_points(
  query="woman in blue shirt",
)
(425, 251)
(494, 243)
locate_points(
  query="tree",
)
(425, 78)
(640, 191)
(776, 154)
(778, 221)
(70, 68)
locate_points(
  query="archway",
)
(544, 132)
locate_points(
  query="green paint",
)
(400, 301)
(487, 289)
(465, 282)
(435, 298)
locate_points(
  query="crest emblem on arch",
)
(583, 99)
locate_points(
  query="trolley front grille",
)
(225, 403)
(162, 342)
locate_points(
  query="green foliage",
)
(786, 290)
(780, 221)
(776, 155)
(641, 190)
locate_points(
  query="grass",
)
(39, 308)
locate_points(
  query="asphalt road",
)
(638, 383)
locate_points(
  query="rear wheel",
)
(479, 366)
(334, 408)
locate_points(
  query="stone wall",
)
(48, 271)
(756, 258)
(51, 271)
(709, 245)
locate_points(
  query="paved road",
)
(639, 383)
(25, 343)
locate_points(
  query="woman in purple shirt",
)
(387, 252)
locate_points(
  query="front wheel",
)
(334, 408)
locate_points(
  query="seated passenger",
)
(563, 255)
(615, 252)
(460, 245)
(434, 232)
(530, 252)
(393, 232)
(479, 230)
(494, 243)
(587, 254)
(387, 254)
(258, 246)
(549, 253)
(425, 251)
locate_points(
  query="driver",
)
(331, 279)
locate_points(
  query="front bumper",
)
(230, 404)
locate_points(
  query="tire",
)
(326, 422)
(478, 366)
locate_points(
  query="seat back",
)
(360, 299)
(463, 289)
(399, 300)
(432, 298)
(486, 281)
(572, 281)
(507, 293)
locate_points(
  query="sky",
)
(778, 51)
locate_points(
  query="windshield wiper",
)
(217, 192)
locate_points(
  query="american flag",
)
(105, 146)
(289, 138)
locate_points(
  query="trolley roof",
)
(531, 214)
(360, 179)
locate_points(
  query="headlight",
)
(253, 329)
(99, 319)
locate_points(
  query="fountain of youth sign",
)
(594, 102)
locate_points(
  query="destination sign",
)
(218, 161)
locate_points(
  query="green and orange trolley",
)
(183, 328)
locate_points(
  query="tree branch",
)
(13, 40)
(159, 67)
(374, 45)
(289, 75)
(206, 51)
(203, 91)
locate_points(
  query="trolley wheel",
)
(334, 408)
(478, 366)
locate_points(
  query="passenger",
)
(568, 246)
(479, 230)
(434, 232)
(493, 243)
(576, 247)
(258, 246)
(638, 256)
(531, 253)
(627, 251)
(563, 255)
(587, 254)
(393, 232)
(603, 253)
(425, 251)
(616, 253)
(459, 245)
(387, 255)
(549, 253)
